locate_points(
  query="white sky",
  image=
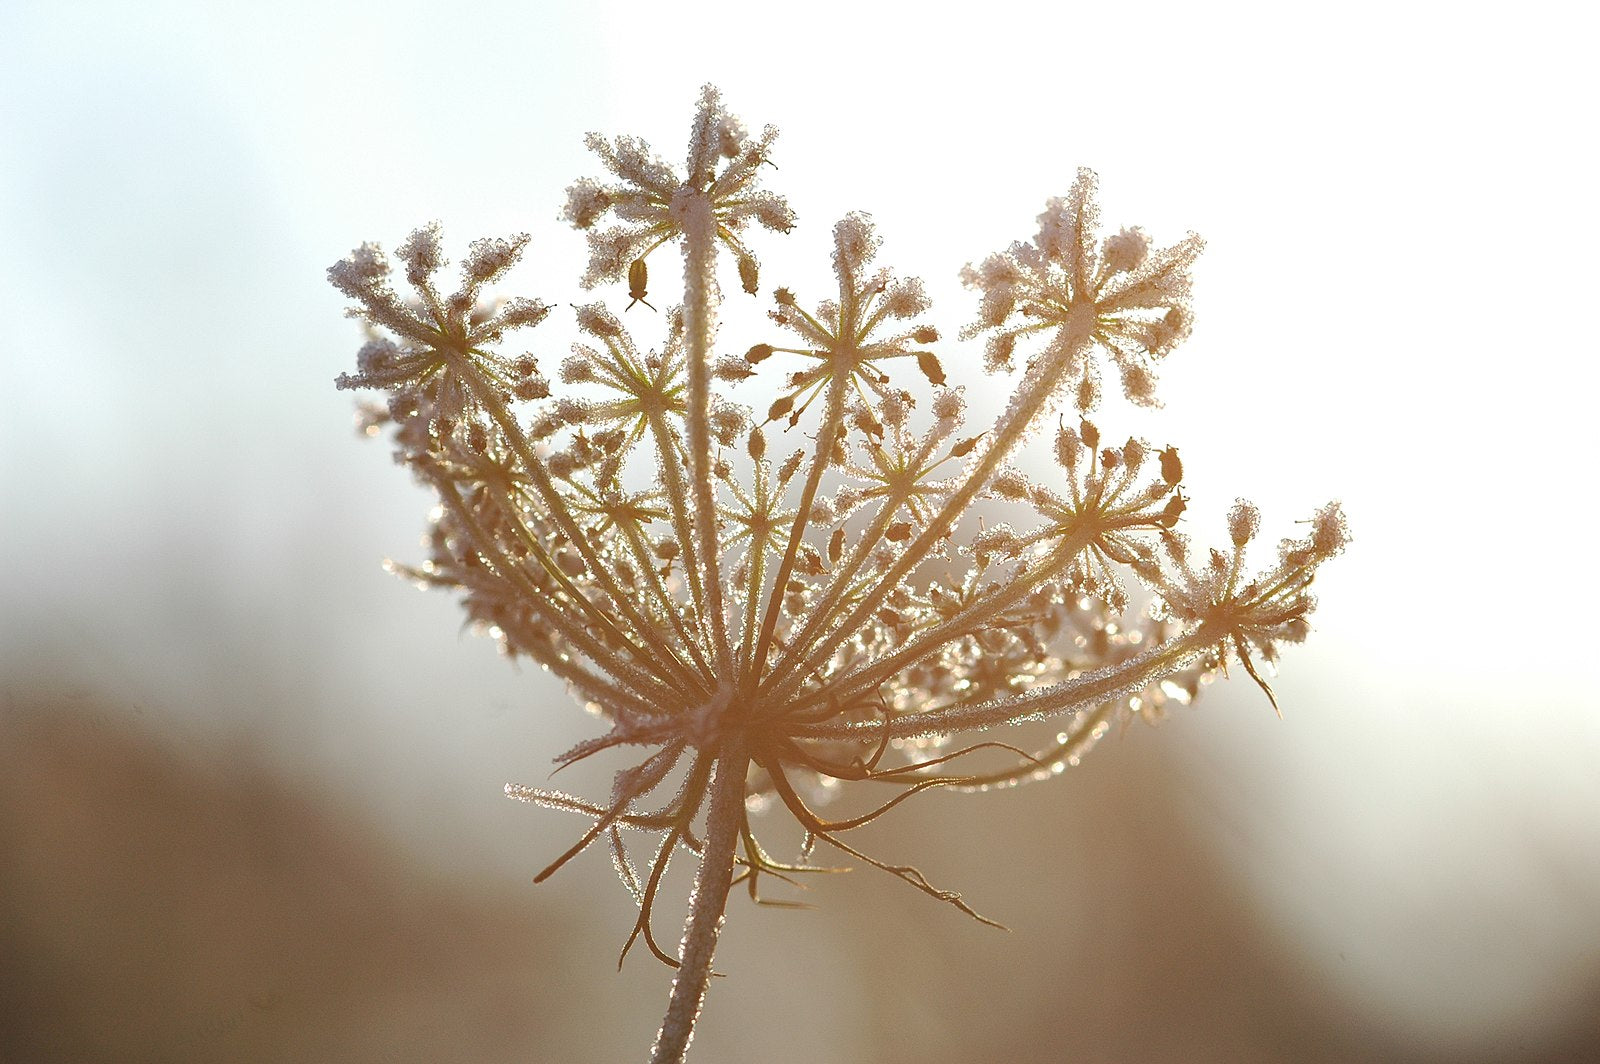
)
(1394, 308)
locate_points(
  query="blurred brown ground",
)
(172, 903)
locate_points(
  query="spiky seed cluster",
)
(1137, 302)
(442, 349)
(769, 615)
(650, 199)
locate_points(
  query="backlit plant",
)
(752, 625)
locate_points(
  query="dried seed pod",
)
(1089, 434)
(964, 448)
(749, 274)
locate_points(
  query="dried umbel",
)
(752, 619)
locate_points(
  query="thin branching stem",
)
(971, 619)
(832, 419)
(539, 476)
(664, 601)
(671, 452)
(699, 319)
(1068, 696)
(1008, 432)
(647, 679)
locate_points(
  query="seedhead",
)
(761, 563)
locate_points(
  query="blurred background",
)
(250, 786)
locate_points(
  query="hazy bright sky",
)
(1393, 309)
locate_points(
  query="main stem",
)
(706, 905)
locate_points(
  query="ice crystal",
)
(753, 622)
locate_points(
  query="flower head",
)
(757, 627)
(1246, 613)
(434, 335)
(650, 199)
(851, 338)
(1138, 302)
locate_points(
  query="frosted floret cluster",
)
(651, 200)
(1134, 304)
(761, 565)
